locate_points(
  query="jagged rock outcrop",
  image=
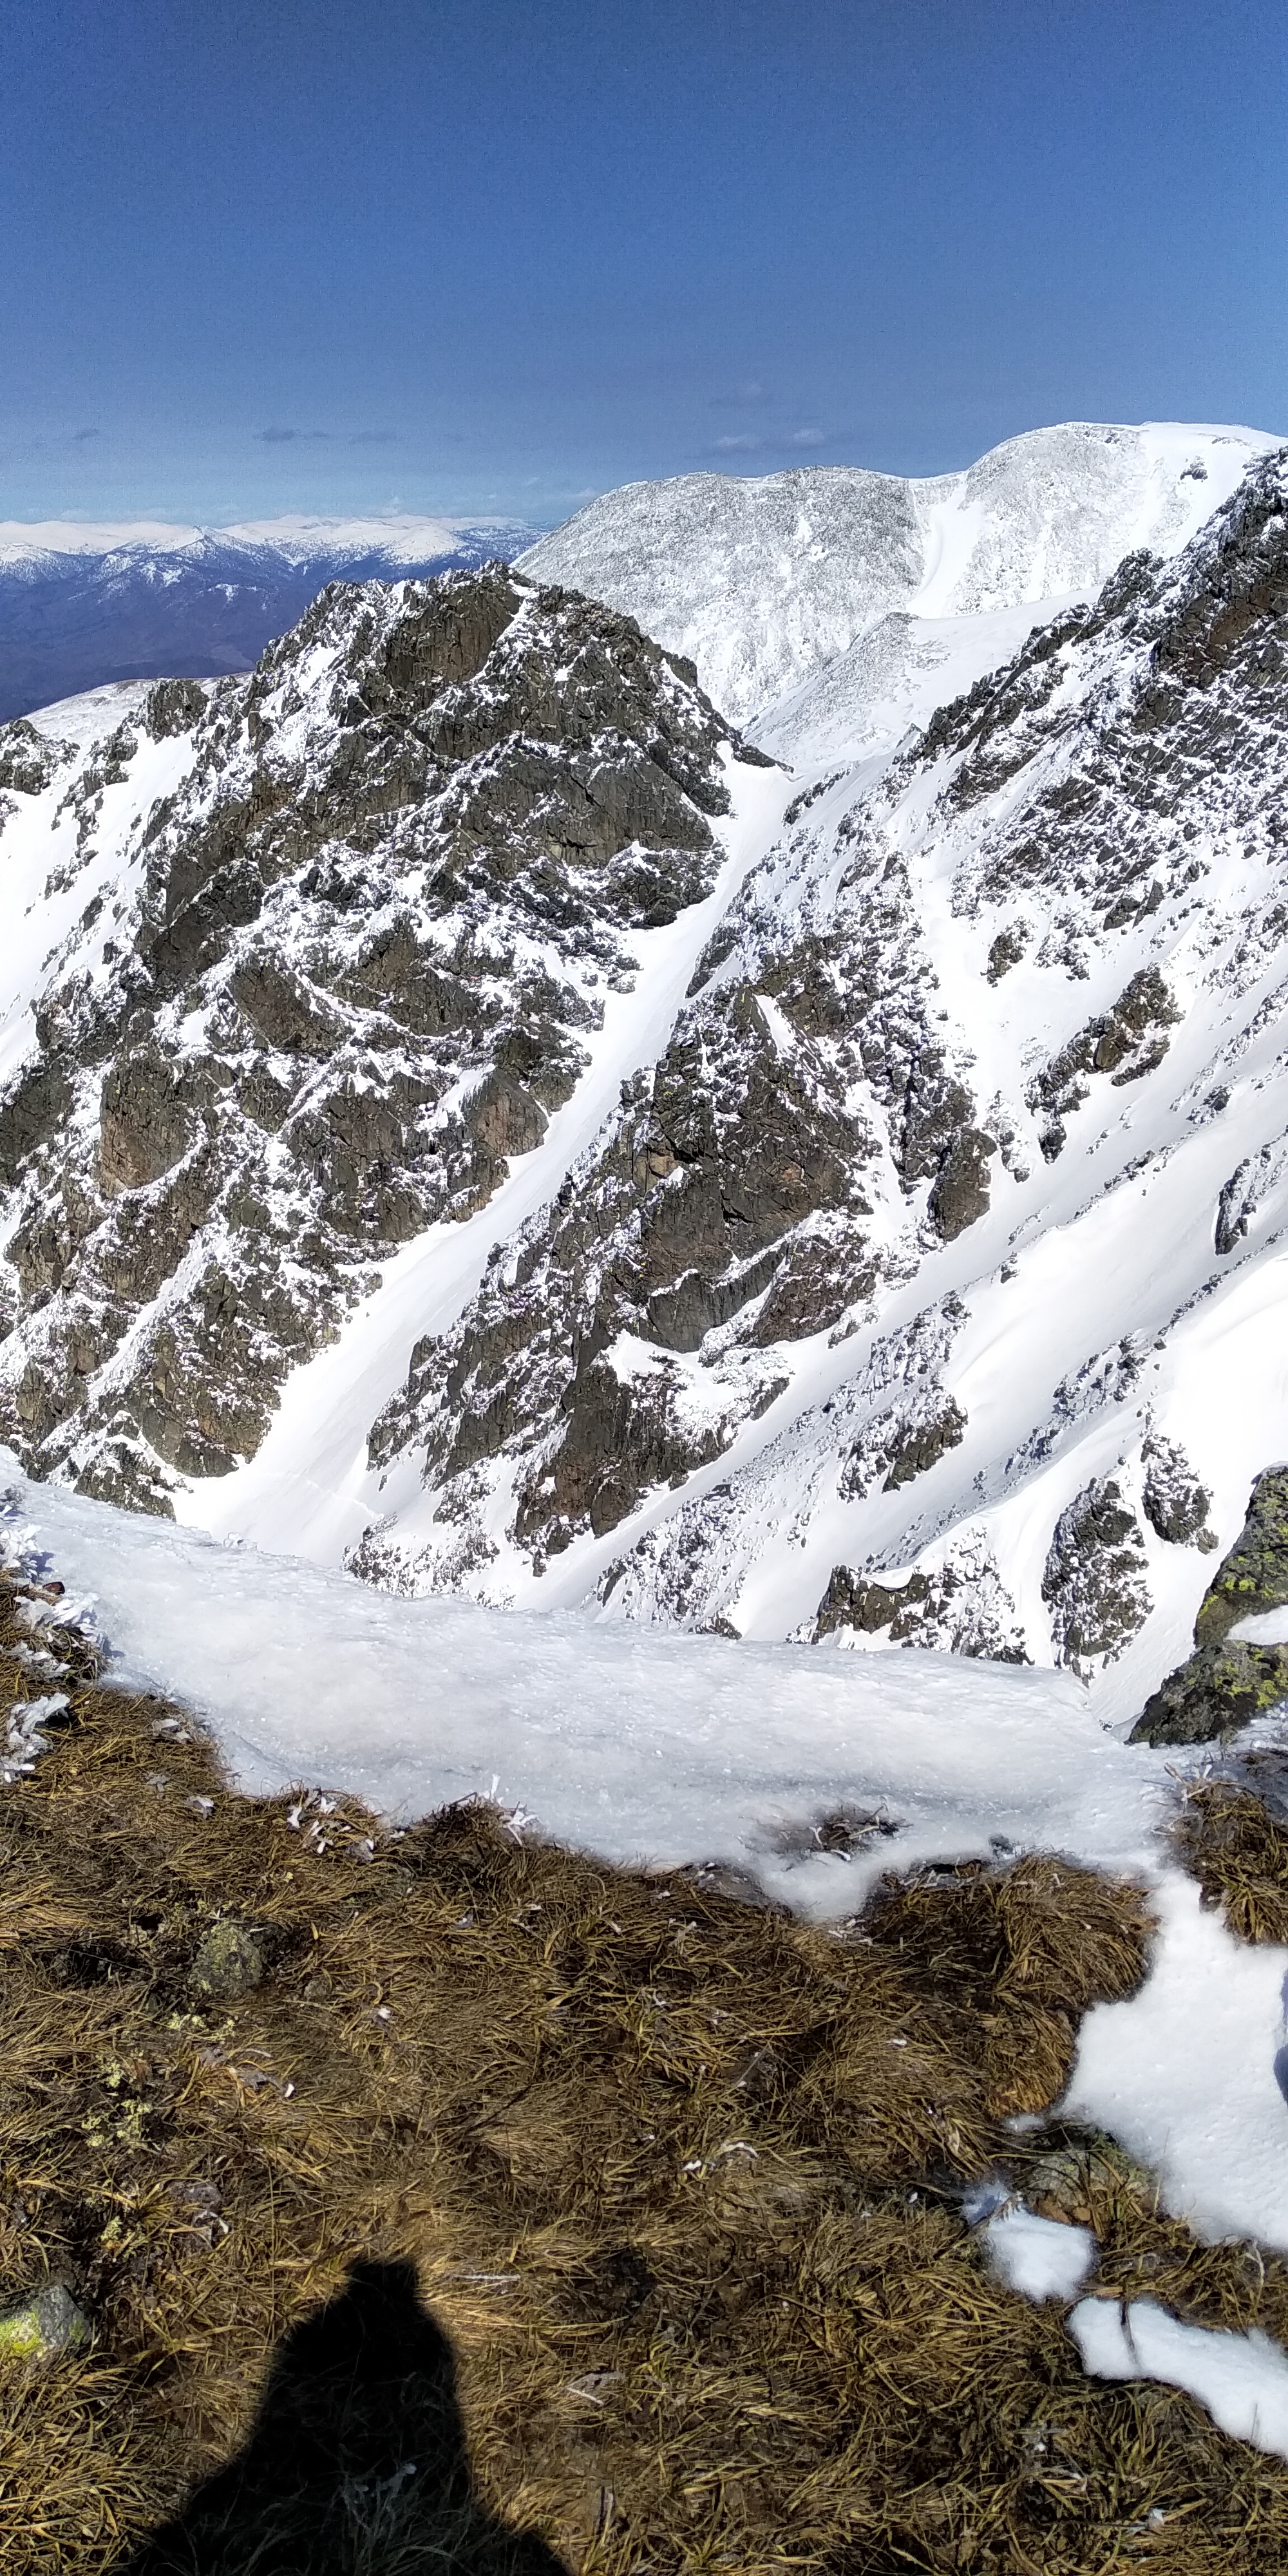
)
(349, 929)
(1228, 1681)
(1175, 1504)
(1094, 1578)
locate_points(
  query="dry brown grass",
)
(681, 2179)
(1230, 1842)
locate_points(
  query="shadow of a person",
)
(356, 2463)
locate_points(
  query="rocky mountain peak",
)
(329, 945)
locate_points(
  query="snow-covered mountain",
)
(928, 1287)
(82, 606)
(523, 1145)
(294, 965)
(765, 580)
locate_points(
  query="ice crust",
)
(635, 1743)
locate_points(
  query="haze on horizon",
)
(510, 254)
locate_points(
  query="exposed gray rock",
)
(1226, 1683)
(43, 2327)
(1128, 1042)
(1176, 1504)
(960, 1193)
(1094, 1579)
(959, 1607)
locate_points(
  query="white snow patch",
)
(1190, 2073)
(1042, 2258)
(1268, 1628)
(1241, 2379)
(630, 1742)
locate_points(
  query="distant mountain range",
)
(84, 606)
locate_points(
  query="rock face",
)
(1094, 1580)
(1227, 1681)
(331, 944)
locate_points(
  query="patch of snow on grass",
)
(1042, 2258)
(1241, 2379)
(634, 1743)
(1189, 2074)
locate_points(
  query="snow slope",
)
(762, 580)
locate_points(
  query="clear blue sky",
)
(258, 255)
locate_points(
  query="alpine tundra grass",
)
(680, 2179)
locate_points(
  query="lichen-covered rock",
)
(1227, 1681)
(1219, 1690)
(43, 2327)
(1254, 1576)
(229, 1962)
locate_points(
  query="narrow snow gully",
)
(309, 1489)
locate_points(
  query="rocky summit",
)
(469, 1113)
(319, 952)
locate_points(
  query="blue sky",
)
(265, 255)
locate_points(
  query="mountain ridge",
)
(763, 580)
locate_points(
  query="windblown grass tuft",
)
(1229, 1838)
